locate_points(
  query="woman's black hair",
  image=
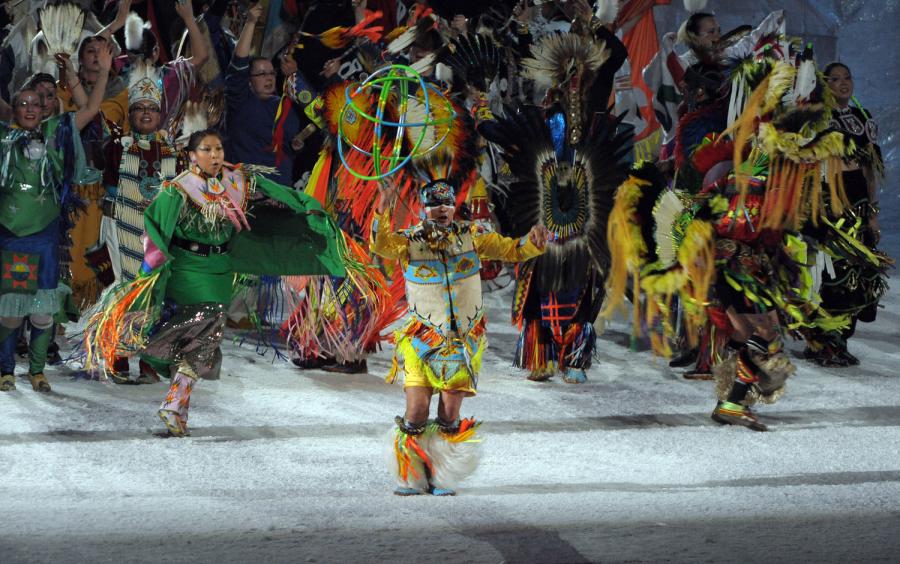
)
(429, 41)
(708, 77)
(38, 78)
(831, 66)
(198, 136)
(693, 23)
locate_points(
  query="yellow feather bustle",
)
(697, 255)
(627, 247)
(690, 279)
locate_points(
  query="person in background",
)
(137, 165)
(252, 104)
(847, 289)
(46, 158)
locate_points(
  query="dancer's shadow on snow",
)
(625, 340)
(528, 544)
(371, 381)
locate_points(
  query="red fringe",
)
(710, 154)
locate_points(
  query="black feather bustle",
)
(645, 204)
(526, 145)
(794, 119)
(474, 59)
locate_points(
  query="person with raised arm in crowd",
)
(252, 104)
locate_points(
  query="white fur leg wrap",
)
(776, 369)
(453, 457)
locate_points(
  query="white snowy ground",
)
(287, 466)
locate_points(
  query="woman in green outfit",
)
(204, 226)
(40, 161)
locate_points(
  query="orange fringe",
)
(117, 329)
(403, 444)
(340, 37)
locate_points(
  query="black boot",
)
(732, 411)
(354, 367)
(685, 358)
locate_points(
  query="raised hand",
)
(105, 57)
(583, 10)
(122, 11)
(185, 10)
(64, 64)
(254, 13)
(523, 12)
(388, 190)
(331, 67)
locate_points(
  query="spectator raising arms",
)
(252, 106)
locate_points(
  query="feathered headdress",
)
(447, 148)
(554, 58)
(144, 84)
(787, 121)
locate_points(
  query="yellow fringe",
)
(780, 80)
(647, 149)
(796, 166)
(691, 279)
(627, 247)
(697, 255)
(659, 289)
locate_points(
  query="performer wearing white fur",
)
(441, 346)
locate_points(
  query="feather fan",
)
(411, 34)
(61, 25)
